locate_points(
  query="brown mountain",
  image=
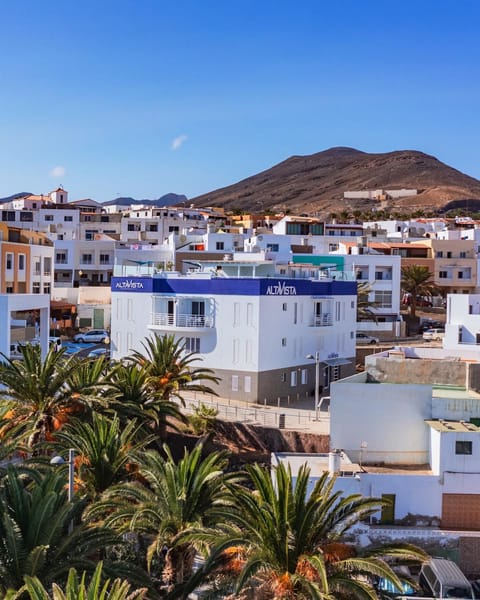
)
(316, 183)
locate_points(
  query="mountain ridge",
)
(316, 182)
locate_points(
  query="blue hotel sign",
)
(232, 286)
(132, 284)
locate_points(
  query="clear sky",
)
(143, 97)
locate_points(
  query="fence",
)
(261, 415)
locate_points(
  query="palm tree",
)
(417, 281)
(78, 589)
(35, 534)
(168, 501)
(169, 374)
(133, 398)
(288, 543)
(41, 395)
(365, 307)
(104, 450)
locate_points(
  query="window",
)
(9, 287)
(284, 341)
(48, 217)
(35, 287)
(379, 275)
(449, 255)
(104, 259)
(234, 383)
(439, 254)
(68, 218)
(273, 247)
(460, 274)
(220, 246)
(26, 216)
(383, 299)
(304, 376)
(9, 261)
(462, 447)
(46, 288)
(443, 274)
(284, 306)
(104, 219)
(61, 258)
(86, 259)
(173, 229)
(36, 266)
(338, 306)
(332, 247)
(131, 227)
(192, 344)
(293, 378)
(152, 227)
(21, 262)
(8, 215)
(90, 234)
(463, 255)
(284, 377)
(295, 313)
(47, 265)
(247, 384)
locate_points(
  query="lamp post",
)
(316, 358)
(59, 460)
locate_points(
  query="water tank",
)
(334, 458)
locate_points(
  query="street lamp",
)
(59, 460)
(316, 358)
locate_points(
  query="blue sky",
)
(144, 97)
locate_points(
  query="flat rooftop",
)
(443, 425)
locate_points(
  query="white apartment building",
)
(249, 324)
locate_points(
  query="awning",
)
(336, 362)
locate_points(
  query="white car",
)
(96, 336)
(433, 334)
(363, 339)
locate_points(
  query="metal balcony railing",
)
(324, 320)
(181, 320)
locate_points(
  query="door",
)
(388, 511)
(98, 318)
(198, 313)
(170, 311)
(461, 511)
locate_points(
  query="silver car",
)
(363, 339)
(95, 336)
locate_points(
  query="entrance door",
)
(388, 511)
(171, 312)
(98, 318)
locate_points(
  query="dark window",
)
(463, 447)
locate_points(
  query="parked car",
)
(54, 341)
(363, 339)
(99, 352)
(433, 334)
(430, 324)
(94, 335)
(442, 578)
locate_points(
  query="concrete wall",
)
(388, 417)
(438, 372)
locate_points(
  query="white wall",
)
(389, 417)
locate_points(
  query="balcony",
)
(181, 321)
(324, 320)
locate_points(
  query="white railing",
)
(181, 320)
(324, 320)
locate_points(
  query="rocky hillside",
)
(316, 183)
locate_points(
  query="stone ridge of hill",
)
(316, 183)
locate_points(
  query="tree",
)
(287, 543)
(78, 589)
(365, 307)
(169, 374)
(168, 501)
(35, 535)
(42, 395)
(103, 450)
(417, 281)
(133, 398)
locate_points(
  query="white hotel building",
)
(254, 328)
